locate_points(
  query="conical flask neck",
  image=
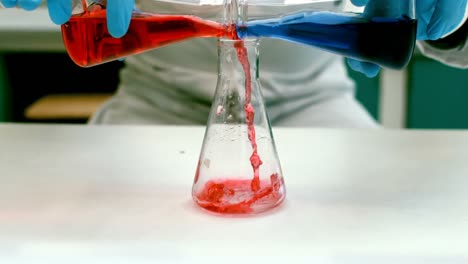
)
(238, 58)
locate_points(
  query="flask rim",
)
(246, 41)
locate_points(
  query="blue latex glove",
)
(119, 12)
(436, 18)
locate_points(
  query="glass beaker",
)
(238, 170)
(383, 33)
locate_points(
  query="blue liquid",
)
(388, 42)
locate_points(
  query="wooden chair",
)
(65, 107)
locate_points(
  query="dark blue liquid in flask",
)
(388, 42)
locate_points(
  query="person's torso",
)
(182, 77)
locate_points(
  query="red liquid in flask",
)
(89, 43)
(235, 196)
(239, 196)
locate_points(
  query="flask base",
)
(235, 196)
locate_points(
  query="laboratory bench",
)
(426, 94)
(74, 193)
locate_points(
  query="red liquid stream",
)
(250, 115)
(88, 43)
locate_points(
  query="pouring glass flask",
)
(238, 170)
(383, 33)
(153, 24)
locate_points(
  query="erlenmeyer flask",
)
(238, 170)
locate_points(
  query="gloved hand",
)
(436, 19)
(119, 12)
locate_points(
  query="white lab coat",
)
(455, 57)
(175, 85)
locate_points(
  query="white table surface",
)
(121, 194)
